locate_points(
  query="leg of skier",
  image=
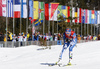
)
(64, 47)
(70, 50)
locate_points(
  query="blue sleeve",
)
(64, 37)
(37, 37)
(74, 35)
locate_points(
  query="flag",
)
(76, 14)
(86, 15)
(83, 16)
(3, 8)
(80, 15)
(90, 13)
(95, 19)
(10, 8)
(64, 12)
(36, 10)
(47, 11)
(93, 16)
(59, 11)
(30, 9)
(17, 9)
(53, 11)
(98, 17)
(68, 13)
(73, 14)
(37, 22)
(23, 9)
(41, 10)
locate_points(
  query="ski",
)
(66, 65)
(57, 63)
(54, 64)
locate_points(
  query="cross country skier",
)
(70, 41)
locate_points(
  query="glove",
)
(68, 40)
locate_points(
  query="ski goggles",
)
(68, 32)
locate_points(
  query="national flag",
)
(41, 10)
(64, 11)
(76, 14)
(47, 11)
(68, 13)
(36, 10)
(30, 9)
(86, 15)
(98, 17)
(83, 16)
(95, 20)
(10, 8)
(90, 13)
(17, 9)
(53, 14)
(23, 9)
(3, 8)
(59, 11)
(80, 15)
(73, 14)
(93, 16)
(37, 22)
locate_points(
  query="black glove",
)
(68, 40)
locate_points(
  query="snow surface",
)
(85, 56)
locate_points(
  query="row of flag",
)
(13, 8)
(38, 11)
(53, 11)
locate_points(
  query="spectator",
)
(20, 38)
(51, 38)
(1, 37)
(94, 38)
(99, 37)
(30, 38)
(14, 38)
(59, 36)
(55, 38)
(78, 38)
(4, 38)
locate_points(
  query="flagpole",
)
(81, 23)
(77, 21)
(6, 23)
(84, 28)
(27, 17)
(49, 27)
(44, 19)
(57, 26)
(94, 22)
(33, 21)
(91, 29)
(13, 18)
(53, 26)
(87, 29)
(81, 28)
(20, 17)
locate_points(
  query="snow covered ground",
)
(85, 56)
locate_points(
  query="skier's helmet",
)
(68, 31)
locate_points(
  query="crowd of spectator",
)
(38, 37)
